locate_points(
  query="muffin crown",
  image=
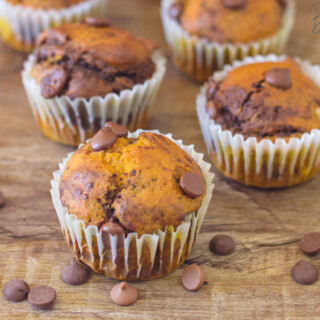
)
(235, 21)
(90, 59)
(45, 4)
(269, 99)
(133, 182)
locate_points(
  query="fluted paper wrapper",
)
(199, 57)
(134, 257)
(20, 26)
(264, 163)
(74, 121)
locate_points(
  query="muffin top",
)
(45, 4)
(235, 21)
(269, 99)
(140, 184)
(90, 59)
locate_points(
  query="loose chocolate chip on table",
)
(222, 245)
(193, 277)
(310, 243)
(97, 22)
(42, 297)
(304, 273)
(279, 78)
(176, 10)
(16, 290)
(118, 129)
(234, 4)
(53, 83)
(1, 199)
(75, 273)
(112, 228)
(192, 184)
(124, 294)
(103, 139)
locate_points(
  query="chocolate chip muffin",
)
(22, 20)
(216, 32)
(88, 73)
(138, 198)
(264, 121)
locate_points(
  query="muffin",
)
(82, 75)
(260, 119)
(22, 20)
(204, 35)
(130, 204)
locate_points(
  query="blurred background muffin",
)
(204, 35)
(261, 121)
(82, 75)
(130, 204)
(22, 20)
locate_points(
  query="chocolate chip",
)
(283, 3)
(112, 228)
(118, 129)
(222, 245)
(310, 243)
(41, 38)
(42, 297)
(279, 78)
(75, 273)
(234, 4)
(2, 200)
(193, 277)
(124, 294)
(175, 11)
(103, 139)
(211, 89)
(16, 290)
(304, 273)
(53, 83)
(211, 110)
(192, 184)
(97, 22)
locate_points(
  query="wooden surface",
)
(252, 283)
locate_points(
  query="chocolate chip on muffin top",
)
(235, 21)
(132, 182)
(90, 59)
(269, 99)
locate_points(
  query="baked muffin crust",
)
(45, 4)
(270, 99)
(217, 21)
(81, 61)
(134, 182)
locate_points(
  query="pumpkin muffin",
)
(204, 35)
(264, 121)
(82, 75)
(22, 20)
(138, 198)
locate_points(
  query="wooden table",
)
(252, 283)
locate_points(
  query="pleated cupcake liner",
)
(264, 163)
(20, 26)
(134, 257)
(199, 57)
(74, 121)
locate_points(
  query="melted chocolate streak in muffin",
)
(79, 64)
(109, 197)
(248, 107)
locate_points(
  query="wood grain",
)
(252, 283)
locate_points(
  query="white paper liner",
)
(128, 108)
(285, 158)
(82, 237)
(199, 57)
(26, 23)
